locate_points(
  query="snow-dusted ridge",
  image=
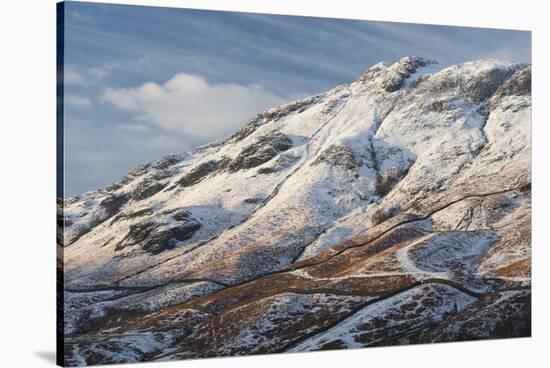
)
(413, 174)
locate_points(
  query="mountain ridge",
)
(413, 177)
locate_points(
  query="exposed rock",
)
(128, 216)
(338, 155)
(519, 84)
(401, 71)
(162, 240)
(247, 129)
(263, 150)
(282, 162)
(113, 187)
(441, 106)
(267, 170)
(154, 237)
(112, 204)
(272, 114)
(476, 87)
(137, 233)
(167, 161)
(77, 226)
(135, 172)
(481, 88)
(146, 189)
(200, 172)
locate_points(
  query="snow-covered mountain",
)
(394, 209)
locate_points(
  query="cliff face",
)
(394, 209)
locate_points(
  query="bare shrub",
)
(382, 214)
(386, 182)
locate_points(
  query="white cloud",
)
(190, 105)
(86, 77)
(99, 73)
(78, 101)
(70, 76)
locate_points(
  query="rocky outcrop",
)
(283, 161)
(201, 171)
(92, 214)
(402, 71)
(338, 155)
(393, 77)
(167, 162)
(261, 151)
(146, 189)
(154, 237)
(272, 115)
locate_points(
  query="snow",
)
(268, 324)
(449, 251)
(362, 328)
(409, 265)
(97, 304)
(446, 149)
(432, 148)
(312, 206)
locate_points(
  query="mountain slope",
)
(412, 179)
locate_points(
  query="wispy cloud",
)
(100, 72)
(98, 154)
(71, 77)
(78, 101)
(87, 77)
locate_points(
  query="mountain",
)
(394, 209)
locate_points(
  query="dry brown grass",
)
(386, 182)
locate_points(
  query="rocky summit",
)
(395, 209)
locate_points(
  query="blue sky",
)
(142, 82)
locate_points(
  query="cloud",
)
(188, 104)
(70, 76)
(78, 101)
(99, 73)
(80, 77)
(102, 72)
(99, 154)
